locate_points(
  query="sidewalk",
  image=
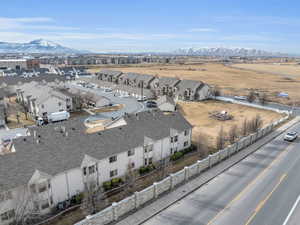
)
(163, 202)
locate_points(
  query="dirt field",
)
(197, 113)
(292, 70)
(231, 80)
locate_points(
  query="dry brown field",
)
(230, 80)
(198, 114)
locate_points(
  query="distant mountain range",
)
(226, 52)
(37, 46)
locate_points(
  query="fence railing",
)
(133, 202)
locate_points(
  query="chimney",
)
(66, 134)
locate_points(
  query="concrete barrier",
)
(223, 154)
(193, 170)
(214, 159)
(163, 186)
(125, 206)
(146, 195)
(179, 177)
(203, 164)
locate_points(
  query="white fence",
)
(225, 99)
(133, 202)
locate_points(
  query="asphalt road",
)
(262, 189)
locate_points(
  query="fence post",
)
(136, 199)
(198, 166)
(155, 190)
(209, 161)
(172, 180)
(115, 213)
(186, 173)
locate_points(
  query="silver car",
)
(290, 136)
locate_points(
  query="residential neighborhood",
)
(149, 112)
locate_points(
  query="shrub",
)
(78, 198)
(190, 149)
(115, 182)
(176, 156)
(107, 185)
(146, 169)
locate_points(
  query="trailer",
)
(58, 116)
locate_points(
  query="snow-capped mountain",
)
(37, 46)
(224, 52)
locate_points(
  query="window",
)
(132, 165)
(5, 196)
(42, 187)
(84, 171)
(113, 159)
(186, 132)
(59, 104)
(148, 148)
(146, 162)
(176, 138)
(150, 160)
(171, 139)
(113, 173)
(91, 169)
(33, 188)
(131, 152)
(42, 106)
(8, 215)
(171, 151)
(185, 143)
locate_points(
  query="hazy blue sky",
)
(156, 25)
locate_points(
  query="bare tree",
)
(251, 96)
(262, 98)
(244, 128)
(220, 139)
(130, 179)
(89, 202)
(255, 124)
(233, 134)
(216, 91)
(202, 146)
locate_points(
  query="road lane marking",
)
(292, 211)
(263, 202)
(261, 174)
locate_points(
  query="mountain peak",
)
(37, 46)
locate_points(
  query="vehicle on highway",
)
(151, 104)
(290, 136)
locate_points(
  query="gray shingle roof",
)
(56, 153)
(14, 80)
(113, 73)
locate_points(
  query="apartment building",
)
(59, 161)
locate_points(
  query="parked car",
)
(290, 136)
(151, 104)
(107, 90)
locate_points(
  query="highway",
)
(262, 189)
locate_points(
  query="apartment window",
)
(33, 188)
(84, 171)
(91, 169)
(172, 139)
(8, 215)
(131, 152)
(59, 104)
(132, 165)
(113, 173)
(113, 159)
(150, 160)
(42, 106)
(146, 162)
(186, 132)
(176, 138)
(148, 148)
(43, 187)
(171, 151)
(185, 143)
(4, 196)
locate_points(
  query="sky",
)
(156, 25)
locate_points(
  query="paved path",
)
(189, 204)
